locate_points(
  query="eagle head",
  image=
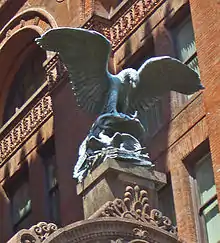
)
(129, 77)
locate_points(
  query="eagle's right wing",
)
(85, 54)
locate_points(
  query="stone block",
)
(109, 180)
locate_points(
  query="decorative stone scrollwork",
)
(43, 230)
(102, 230)
(135, 206)
(36, 234)
(143, 234)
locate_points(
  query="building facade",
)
(42, 126)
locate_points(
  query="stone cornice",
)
(123, 24)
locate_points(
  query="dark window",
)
(185, 46)
(207, 205)
(27, 80)
(21, 207)
(53, 190)
(166, 202)
(48, 154)
(17, 188)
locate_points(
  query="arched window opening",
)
(27, 80)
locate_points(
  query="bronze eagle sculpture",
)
(116, 133)
(86, 54)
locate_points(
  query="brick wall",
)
(206, 23)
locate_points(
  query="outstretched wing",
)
(85, 53)
(159, 75)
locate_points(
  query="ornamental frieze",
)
(119, 29)
(24, 128)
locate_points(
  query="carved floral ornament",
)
(135, 206)
(38, 233)
(130, 221)
(43, 230)
(108, 230)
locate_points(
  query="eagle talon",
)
(135, 115)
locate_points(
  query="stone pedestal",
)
(109, 180)
(117, 209)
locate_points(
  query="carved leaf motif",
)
(141, 233)
(135, 205)
(137, 200)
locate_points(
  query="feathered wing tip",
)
(85, 54)
(159, 75)
(167, 73)
(62, 33)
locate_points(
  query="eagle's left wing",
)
(159, 75)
